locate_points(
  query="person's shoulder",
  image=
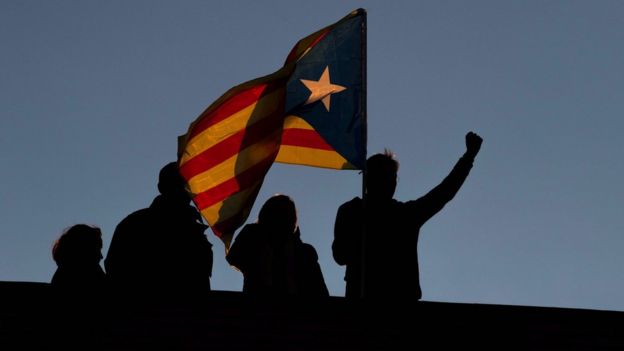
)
(356, 202)
(250, 232)
(135, 216)
(58, 277)
(247, 239)
(308, 252)
(250, 228)
(410, 203)
(395, 202)
(133, 221)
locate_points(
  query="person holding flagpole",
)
(388, 265)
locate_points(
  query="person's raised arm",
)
(434, 201)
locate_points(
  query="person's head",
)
(279, 214)
(171, 183)
(381, 175)
(79, 245)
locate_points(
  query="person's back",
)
(391, 228)
(272, 257)
(309, 278)
(391, 256)
(251, 255)
(162, 249)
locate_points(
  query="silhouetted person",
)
(272, 257)
(392, 228)
(162, 249)
(78, 253)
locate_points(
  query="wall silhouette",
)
(32, 317)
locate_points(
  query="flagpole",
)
(365, 142)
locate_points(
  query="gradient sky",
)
(93, 95)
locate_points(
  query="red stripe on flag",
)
(240, 182)
(228, 107)
(230, 146)
(304, 138)
(293, 53)
(220, 230)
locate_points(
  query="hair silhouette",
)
(171, 183)
(279, 215)
(77, 254)
(381, 176)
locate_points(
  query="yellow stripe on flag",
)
(234, 165)
(309, 156)
(296, 122)
(238, 121)
(217, 212)
(312, 157)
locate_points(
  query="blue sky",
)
(93, 95)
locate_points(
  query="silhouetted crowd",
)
(163, 250)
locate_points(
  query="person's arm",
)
(434, 200)
(121, 247)
(238, 255)
(313, 281)
(343, 248)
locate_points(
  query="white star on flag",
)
(321, 89)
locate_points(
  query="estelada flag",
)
(310, 112)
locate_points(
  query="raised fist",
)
(473, 144)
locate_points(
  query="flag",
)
(310, 112)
